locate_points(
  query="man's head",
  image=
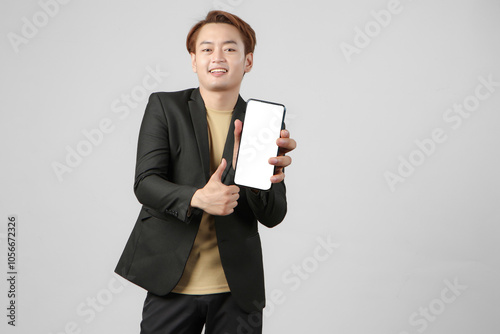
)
(218, 16)
(221, 48)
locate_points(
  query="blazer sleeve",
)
(269, 207)
(152, 187)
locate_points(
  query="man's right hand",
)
(215, 197)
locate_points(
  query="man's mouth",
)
(218, 70)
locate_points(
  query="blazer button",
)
(172, 212)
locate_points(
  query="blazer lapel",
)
(199, 119)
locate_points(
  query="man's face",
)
(220, 59)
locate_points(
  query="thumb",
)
(238, 126)
(217, 175)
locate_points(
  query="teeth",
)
(218, 70)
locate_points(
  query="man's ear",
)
(193, 61)
(248, 62)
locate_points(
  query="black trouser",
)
(187, 314)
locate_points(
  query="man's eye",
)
(230, 50)
(206, 50)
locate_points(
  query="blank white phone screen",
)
(261, 129)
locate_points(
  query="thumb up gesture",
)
(215, 197)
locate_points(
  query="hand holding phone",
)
(261, 128)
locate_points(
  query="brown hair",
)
(219, 16)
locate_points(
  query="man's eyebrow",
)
(226, 42)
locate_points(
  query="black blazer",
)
(172, 163)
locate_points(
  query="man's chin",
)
(219, 87)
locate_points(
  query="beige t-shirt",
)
(203, 273)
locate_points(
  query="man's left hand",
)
(285, 144)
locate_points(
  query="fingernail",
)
(273, 161)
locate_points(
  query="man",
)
(195, 246)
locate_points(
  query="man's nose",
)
(218, 56)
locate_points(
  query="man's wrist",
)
(195, 202)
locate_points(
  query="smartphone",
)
(261, 128)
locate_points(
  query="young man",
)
(195, 246)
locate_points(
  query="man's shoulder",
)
(171, 104)
(176, 96)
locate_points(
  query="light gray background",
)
(353, 120)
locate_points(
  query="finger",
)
(285, 133)
(277, 178)
(232, 203)
(217, 175)
(233, 189)
(287, 144)
(281, 161)
(234, 198)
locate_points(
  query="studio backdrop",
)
(393, 215)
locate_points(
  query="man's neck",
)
(223, 101)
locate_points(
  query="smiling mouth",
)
(218, 70)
